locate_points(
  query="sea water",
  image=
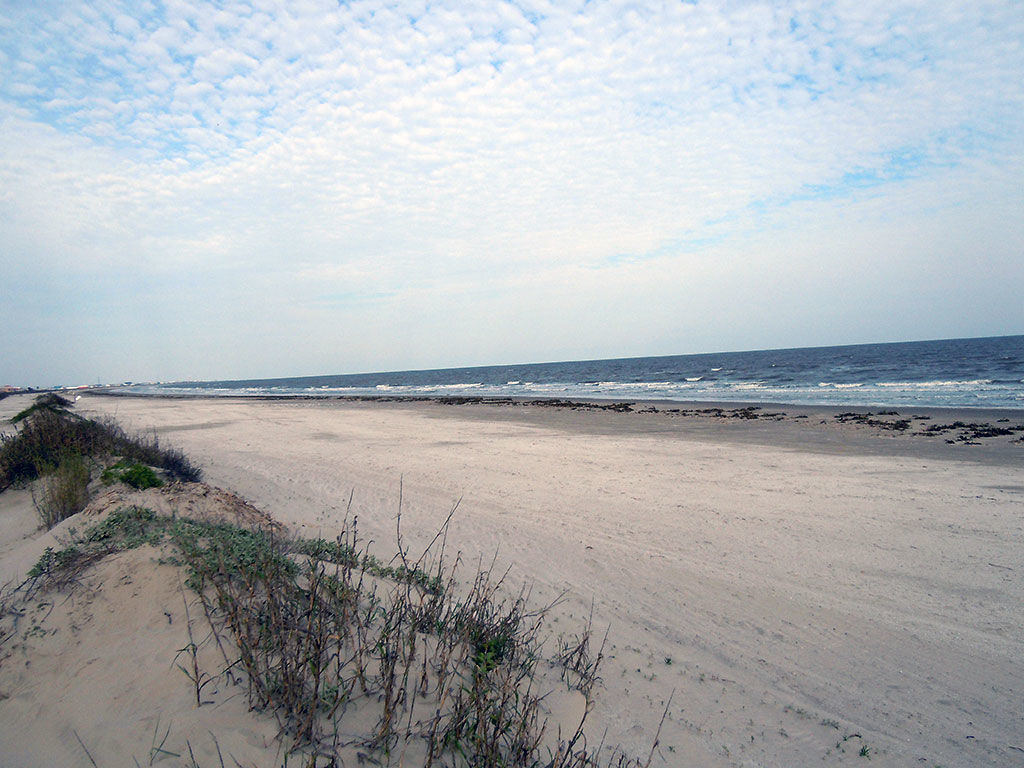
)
(979, 373)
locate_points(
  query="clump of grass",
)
(864, 751)
(136, 475)
(64, 491)
(449, 671)
(578, 661)
(48, 431)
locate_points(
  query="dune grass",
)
(445, 672)
(64, 490)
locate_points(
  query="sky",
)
(193, 190)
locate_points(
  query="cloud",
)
(392, 149)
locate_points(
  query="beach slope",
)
(807, 589)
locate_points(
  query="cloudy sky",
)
(272, 188)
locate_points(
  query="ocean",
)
(973, 373)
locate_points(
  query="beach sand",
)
(808, 589)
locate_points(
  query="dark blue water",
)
(981, 373)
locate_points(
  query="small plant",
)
(157, 751)
(865, 750)
(136, 475)
(192, 671)
(578, 660)
(53, 561)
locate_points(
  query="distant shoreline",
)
(986, 435)
(592, 403)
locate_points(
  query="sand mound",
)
(22, 542)
(113, 660)
(89, 673)
(197, 501)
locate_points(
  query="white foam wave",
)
(941, 391)
(473, 385)
(934, 384)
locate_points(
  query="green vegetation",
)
(339, 553)
(864, 751)
(121, 530)
(47, 402)
(136, 475)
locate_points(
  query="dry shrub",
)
(62, 492)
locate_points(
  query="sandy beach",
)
(808, 588)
